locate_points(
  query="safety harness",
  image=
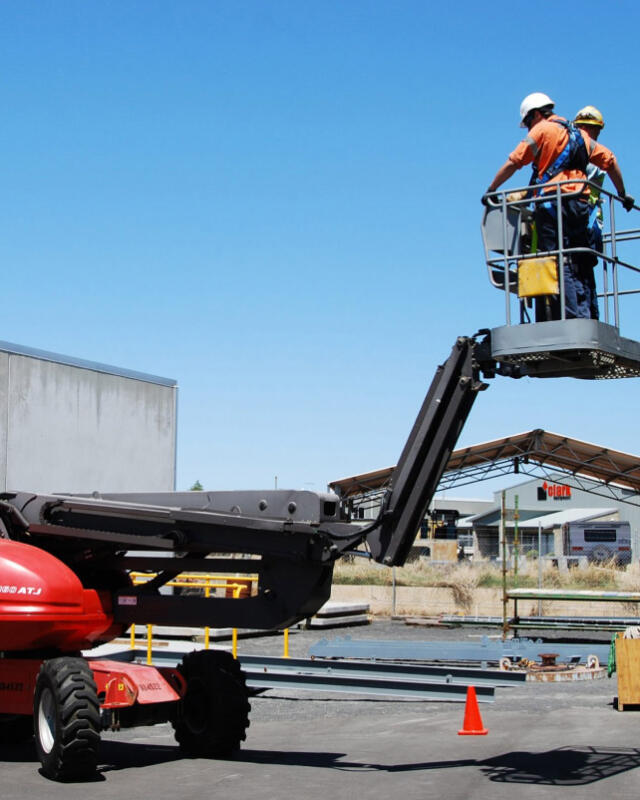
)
(573, 156)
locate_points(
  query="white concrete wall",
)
(432, 600)
(67, 428)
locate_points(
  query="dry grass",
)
(630, 582)
(463, 581)
(464, 578)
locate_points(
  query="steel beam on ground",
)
(467, 676)
(376, 686)
(485, 650)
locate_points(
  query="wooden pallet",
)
(628, 670)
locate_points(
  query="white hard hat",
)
(531, 102)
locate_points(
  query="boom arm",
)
(426, 453)
(292, 543)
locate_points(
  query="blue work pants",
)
(579, 283)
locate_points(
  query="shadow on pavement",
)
(565, 766)
(112, 756)
(20, 753)
(134, 755)
(290, 758)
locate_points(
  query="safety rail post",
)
(393, 591)
(507, 289)
(539, 565)
(285, 648)
(237, 588)
(605, 290)
(503, 536)
(207, 593)
(563, 310)
(149, 644)
(516, 540)
(516, 547)
(614, 262)
(132, 633)
(605, 274)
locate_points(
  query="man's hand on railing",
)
(627, 201)
(485, 200)
(516, 197)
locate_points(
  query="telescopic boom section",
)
(426, 453)
(291, 540)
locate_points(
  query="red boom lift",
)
(64, 588)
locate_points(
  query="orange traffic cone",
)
(472, 725)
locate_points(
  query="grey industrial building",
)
(69, 425)
(544, 508)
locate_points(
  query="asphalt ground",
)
(544, 740)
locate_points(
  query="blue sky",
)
(277, 204)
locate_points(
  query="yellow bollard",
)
(207, 593)
(149, 644)
(285, 652)
(234, 633)
(133, 636)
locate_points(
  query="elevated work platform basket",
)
(578, 348)
(560, 347)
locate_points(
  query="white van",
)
(598, 541)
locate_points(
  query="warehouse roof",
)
(546, 521)
(515, 454)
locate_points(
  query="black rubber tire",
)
(66, 715)
(15, 729)
(213, 716)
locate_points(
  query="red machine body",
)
(44, 605)
(119, 685)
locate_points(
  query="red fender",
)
(125, 684)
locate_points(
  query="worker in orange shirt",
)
(590, 120)
(559, 152)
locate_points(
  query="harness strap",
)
(565, 158)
